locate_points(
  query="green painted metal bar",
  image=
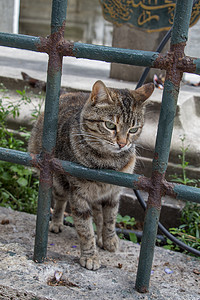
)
(59, 8)
(20, 41)
(133, 181)
(111, 54)
(188, 193)
(162, 148)
(95, 52)
(197, 64)
(181, 22)
(14, 156)
(81, 50)
(58, 17)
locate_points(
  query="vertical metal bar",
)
(163, 140)
(58, 16)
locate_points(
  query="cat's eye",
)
(133, 130)
(110, 125)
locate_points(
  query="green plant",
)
(18, 187)
(36, 107)
(189, 231)
(183, 179)
(126, 222)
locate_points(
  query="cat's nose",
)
(121, 144)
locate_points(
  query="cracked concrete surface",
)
(21, 278)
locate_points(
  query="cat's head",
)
(112, 119)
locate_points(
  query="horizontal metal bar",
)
(20, 41)
(189, 193)
(135, 181)
(111, 54)
(17, 157)
(96, 52)
(107, 176)
(81, 50)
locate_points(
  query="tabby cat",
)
(97, 130)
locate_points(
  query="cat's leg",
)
(82, 216)
(110, 210)
(98, 220)
(60, 196)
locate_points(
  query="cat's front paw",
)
(111, 244)
(56, 227)
(90, 262)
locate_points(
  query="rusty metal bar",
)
(134, 181)
(103, 53)
(50, 127)
(163, 141)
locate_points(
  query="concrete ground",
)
(174, 276)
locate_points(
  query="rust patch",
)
(41, 162)
(163, 61)
(52, 46)
(186, 64)
(175, 62)
(156, 190)
(66, 48)
(43, 45)
(143, 183)
(142, 289)
(169, 189)
(35, 161)
(157, 187)
(46, 171)
(173, 73)
(56, 166)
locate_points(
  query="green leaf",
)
(5, 176)
(169, 247)
(133, 237)
(119, 218)
(4, 195)
(22, 181)
(126, 219)
(69, 219)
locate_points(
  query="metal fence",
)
(174, 62)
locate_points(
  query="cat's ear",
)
(100, 93)
(143, 93)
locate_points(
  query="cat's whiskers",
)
(93, 138)
(142, 147)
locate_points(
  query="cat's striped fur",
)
(97, 130)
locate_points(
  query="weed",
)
(183, 179)
(18, 187)
(126, 222)
(189, 231)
